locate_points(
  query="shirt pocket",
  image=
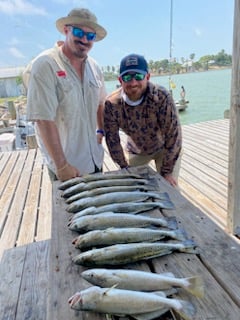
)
(64, 87)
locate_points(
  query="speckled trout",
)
(82, 186)
(124, 207)
(116, 197)
(104, 190)
(97, 176)
(127, 302)
(119, 220)
(142, 281)
(110, 236)
(120, 254)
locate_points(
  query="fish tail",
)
(180, 235)
(195, 286)
(189, 246)
(186, 311)
(172, 223)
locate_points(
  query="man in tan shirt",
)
(66, 93)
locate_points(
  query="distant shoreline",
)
(173, 74)
(195, 71)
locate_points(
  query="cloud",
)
(20, 7)
(198, 32)
(16, 53)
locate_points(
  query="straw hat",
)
(82, 17)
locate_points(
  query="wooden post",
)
(234, 140)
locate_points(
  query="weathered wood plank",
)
(196, 158)
(14, 200)
(29, 218)
(24, 282)
(213, 155)
(32, 303)
(234, 142)
(44, 223)
(12, 203)
(11, 269)
(219, 251)
(183, 265)
(7, 172)
(4, 157)
(206, 186)
(209, 207)
(65, 277)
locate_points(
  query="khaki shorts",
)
(139, 160)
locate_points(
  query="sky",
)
(201, 27)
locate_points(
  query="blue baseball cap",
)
(133, 63)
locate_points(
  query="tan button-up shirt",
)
(56, 93)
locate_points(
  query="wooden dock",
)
(25, 188)
(26, 223)
(203, 177)
(204, 168)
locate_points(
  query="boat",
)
(181, 104)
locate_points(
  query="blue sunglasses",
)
(79, 33)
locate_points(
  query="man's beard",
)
(81, 52)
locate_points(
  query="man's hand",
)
(67, 172)
(171, 180)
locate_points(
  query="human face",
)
(134, 89)
(79, 46)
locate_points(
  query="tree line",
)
(165, 66)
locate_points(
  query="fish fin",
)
(109, 289)
(150, 315)
(195, 286)
(189, 246)
(170, 292)
(186, 311)
(165, 293)
(160, 293)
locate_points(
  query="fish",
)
(97, 176)
(110, 236)
(142, 280)
(82, 186)
(124, 207)
(127, 302)
(120, 254)
(103, 190)
(114, 197)
(119, 220)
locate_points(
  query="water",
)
(209, 93)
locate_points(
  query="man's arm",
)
(100, 132)
(51, 139)
(112, 136)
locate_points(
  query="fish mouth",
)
(75, 300)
